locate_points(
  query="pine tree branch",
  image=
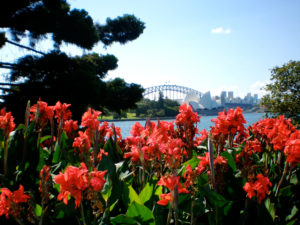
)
(26, 47)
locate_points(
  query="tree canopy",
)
(284, 91)
(54, 75)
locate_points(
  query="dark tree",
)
(121, 95)
(54, 75)
(284, 92)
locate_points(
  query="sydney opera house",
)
(205, 102)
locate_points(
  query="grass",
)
(128, 116)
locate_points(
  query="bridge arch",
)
(171, 91)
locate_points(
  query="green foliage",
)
(284, 91)
(130, 191)
(161, 108)
(55, 75)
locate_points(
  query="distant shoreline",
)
(138, 119)
(160, 118)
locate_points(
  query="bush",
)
(54, 171)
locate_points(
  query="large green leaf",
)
(129, 195)
(193, 162)
(38, 210)
(57, 153)
(140, 213)
(230, 160)
(270, 207)
(106, 190)
(215, 199)
(147, 192)
(123, 219)
(44, 155)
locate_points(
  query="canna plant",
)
(55, 170)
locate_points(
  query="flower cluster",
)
(6, 121)
(171, 182)
(10, 202)
(259, 188)
(227, 125)
(185, 122)
(276, 130)
(75, 180)
(292, 149)
(93, 135)
(42, 113)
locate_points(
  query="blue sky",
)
(201, 44)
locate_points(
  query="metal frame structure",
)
(170, 91)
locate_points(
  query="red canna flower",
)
(76, 180)
(199, 140)
(188, 176)
(165, 199)
(204, 162)
(259, 188)
(62, 112)
(274, 131)
(228, 123)
(90, 119)
(134, 154)
(186, 116)
(292, 149)
(72, 182)
(136, 129)
(70, 127)
(9, 201)
(45, 113)
(6, 121)
(170, 182)
(186, 122)
(82, 143)
(97, 179)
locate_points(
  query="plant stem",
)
(211, 163)
(5, 155)
(282, 178)
(192, 209)
(82, 214)
(176, 203)
(169, 215)
(18, 221)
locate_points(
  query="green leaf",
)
(60, 214)
(45, 138)
(193, 162)
(129, 195)
(294, 179)
(230, 160)
(140, 213)
(57, 153)
(215, 199)
(158, 191)
(146, 193)
(122, 219)
(293, 213)
(112, 206)
(285, 191)
(270, 207)
(44, 154)
(38, 210)
(106, 191)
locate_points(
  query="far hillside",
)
(147, 108)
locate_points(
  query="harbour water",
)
(205, 122)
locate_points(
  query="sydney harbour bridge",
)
(173, 92)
